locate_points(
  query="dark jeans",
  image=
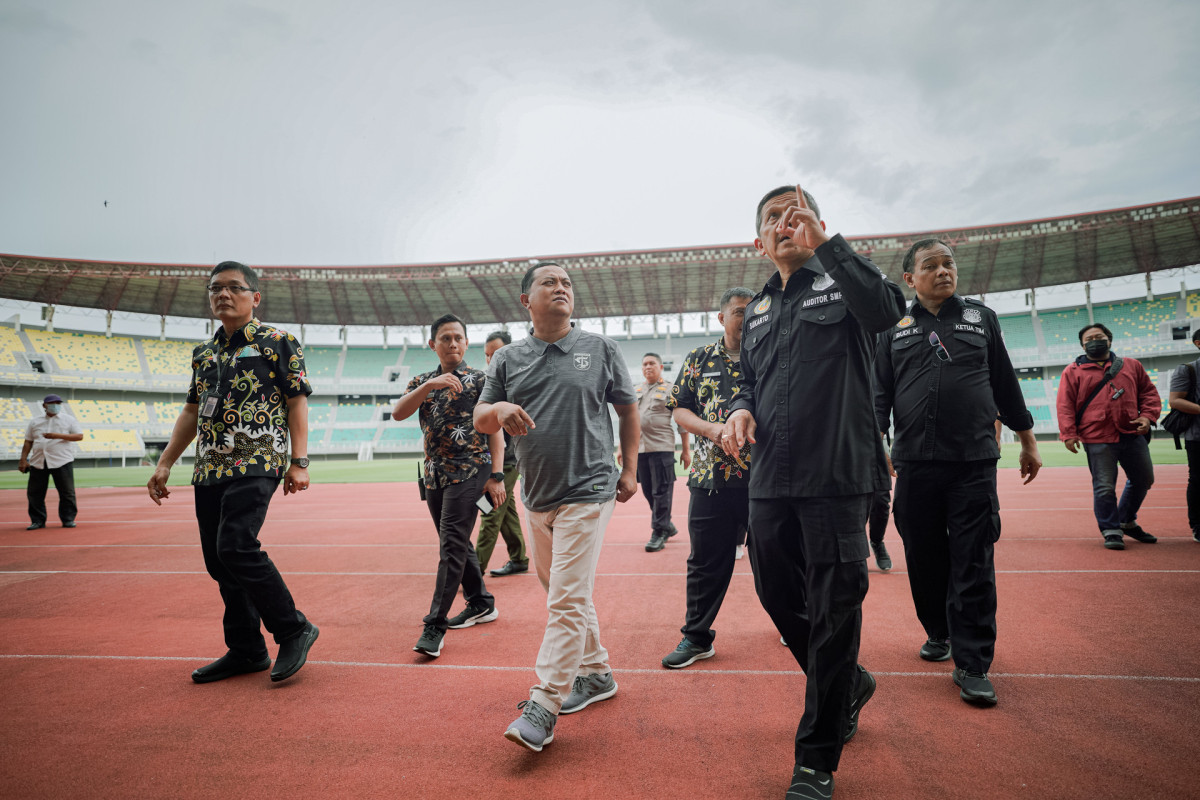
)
(877, 522)
(503, 521)
(1133, 454)
(1193, 484)
(64, 484)
(948, 516)
(453, 510)
(230, 515)
(656, 474)
(716, 522)
(810, 569)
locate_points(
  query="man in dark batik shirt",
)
(461, 465)
(248, 398)
(719, 510)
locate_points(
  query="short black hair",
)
(527, 280)
(732, 292)
(501, 335)
(248, 274)
(1091, 325)
(1196, 335)
(442, 320)
(910, 258)
(655, 356)
(778, 190)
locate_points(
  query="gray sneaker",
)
(534, 729)
(686, 654)
(589, 689)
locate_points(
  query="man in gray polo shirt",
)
(550, 392)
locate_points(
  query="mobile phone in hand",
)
(484, 504)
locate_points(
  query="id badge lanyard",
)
(210, 402)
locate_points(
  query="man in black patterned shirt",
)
(248, 397)
(461, 465)
(719, 509)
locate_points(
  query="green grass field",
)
(401, 470)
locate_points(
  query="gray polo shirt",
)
(565, 387)
(1181, 381)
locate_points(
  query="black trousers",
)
(453, 510)
(230, 515)
(948, 515)
(1193, 484)
(877, 522)
(809, 557)
(656, 474)
(716, 522)
(64, 484)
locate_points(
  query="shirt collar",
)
(564, 344)
(952, 302)
(219, 336)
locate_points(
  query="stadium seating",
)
(12, 440)
(1018, 332)
(368, 363)
(1135, 319)
(10, 343)
(401, 434)
(357, 412)
(86, 352)
(1061, 328)
(319, 414)
(171, 357)
(321, 363)
(110, 412)
(14, 410)
(419, 359)
(352, 435)
(1193, 305)
(102, 441)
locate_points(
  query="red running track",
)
(1097, 666)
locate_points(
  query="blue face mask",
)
(53, 408)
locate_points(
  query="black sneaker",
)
(472, 616)
(658, 540)
(430, 642)
(976, 688)
(810, 784)
(1114, 541)
(671, 529)
(882, 559)
(1138, 535)
(1196, 535)
(936, 650)
(687, 654)
(863, 692)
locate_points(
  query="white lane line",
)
(634, 671)
(743, 573)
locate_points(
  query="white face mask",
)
(53, 408)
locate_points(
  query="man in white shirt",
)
(48, 453)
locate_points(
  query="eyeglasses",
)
(216, 288)
(940, 349)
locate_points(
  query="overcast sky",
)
(306, 132)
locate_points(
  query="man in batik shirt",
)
(461, 465)
(719, 509)
(247, 400)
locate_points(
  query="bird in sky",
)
(106, 204)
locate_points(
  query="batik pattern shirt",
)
(454, 450)
(706, 384)
(251, 375)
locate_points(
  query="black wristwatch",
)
(497, 476)
(302, 463)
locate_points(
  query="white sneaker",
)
(740, 552)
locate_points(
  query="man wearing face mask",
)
(48, 453)
(1107, 404)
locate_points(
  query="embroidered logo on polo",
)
(763, 305)
(583, 361)
(822, 282)
(821, 299)
(972, 315)
(904, 323)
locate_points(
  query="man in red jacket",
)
(1111, 426)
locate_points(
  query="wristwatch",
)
(497, 476)
(302, 463)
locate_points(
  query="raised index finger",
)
(800, 195)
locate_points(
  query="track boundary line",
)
(598, 575)
(631, 671)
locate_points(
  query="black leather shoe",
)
(863, 692)
(882, 559)
(229, 665)
(510, 568)
(293, 653)
(70, 524)
(976, 688)
(935, 650)
(810, 784)
(1138, 535)
(33, 526)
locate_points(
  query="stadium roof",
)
(994, 258)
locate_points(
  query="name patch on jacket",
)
(821, 299)
(754, 323)
(904, 334)
(958, 326)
